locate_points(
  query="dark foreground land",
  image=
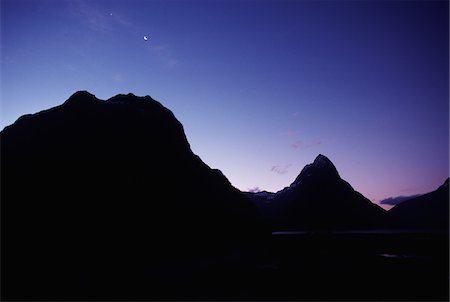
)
(408, 266)
(360, 266)
(324, 266)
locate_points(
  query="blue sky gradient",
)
(261, 87)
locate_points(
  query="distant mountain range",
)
(96, 195)
(319, 199)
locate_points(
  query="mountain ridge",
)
(321, 164)
(429, 210)
(102, 182)
(106, 200)
(319, 198)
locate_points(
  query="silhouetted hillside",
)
(429, 211)
(97, 196)
(104, 200)
(319, 199)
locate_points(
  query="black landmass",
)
(104, 200)
(94, 191)
(428, 211)
(319, 199)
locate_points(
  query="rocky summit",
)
(319, 199)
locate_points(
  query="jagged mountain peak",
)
(322, 161)
(81, 97)
(319, 199)
(322, 167)
(129, 98)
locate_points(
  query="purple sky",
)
(261, 87)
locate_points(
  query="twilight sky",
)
(261, 87)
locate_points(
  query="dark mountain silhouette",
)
(319, 199)
(430, 211)
(104, 200)
(98, 196)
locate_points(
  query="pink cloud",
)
(297, 145)
(290, 132)
(254, 190)
(280, 169)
